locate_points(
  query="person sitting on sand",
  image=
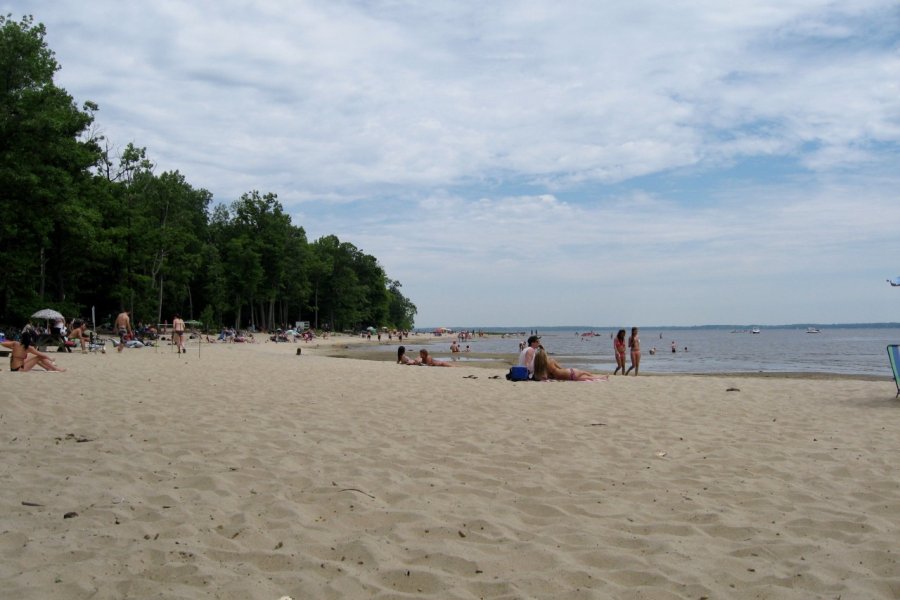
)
(19, 359)
(546, 368)
(403, 359)
(79, 332)
(526, 356)
(427, 360)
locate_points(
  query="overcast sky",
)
(534, 163)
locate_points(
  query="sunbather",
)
(546, 368)
(19, 359)
(427, 360)
(403, 359)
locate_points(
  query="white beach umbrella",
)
(47, 313)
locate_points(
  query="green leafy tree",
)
(176, 222)
(44, 170)
(80, 228)
(401, 312)
(295, 287)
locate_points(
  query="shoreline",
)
(487, 360)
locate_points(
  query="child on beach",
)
(635, 344)
(619, 347)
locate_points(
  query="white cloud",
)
(677, 162)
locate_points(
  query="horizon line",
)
(873, 324)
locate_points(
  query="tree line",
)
(80, 228)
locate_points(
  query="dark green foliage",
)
(78, 231)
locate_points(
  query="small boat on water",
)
(812, 330)
(754, 330)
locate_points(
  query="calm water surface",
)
(849, 351)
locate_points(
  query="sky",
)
(533, 162)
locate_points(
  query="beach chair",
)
(893, 351)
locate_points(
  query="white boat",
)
(754, 330)
(812, 330)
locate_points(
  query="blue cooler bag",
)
(517, 374)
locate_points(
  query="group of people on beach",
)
(425, 359)
(542, 367)
(634, 346)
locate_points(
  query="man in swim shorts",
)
(123, 327)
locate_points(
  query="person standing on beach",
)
(619, 347)
(635, 344)
(178, 333)
(123, 327)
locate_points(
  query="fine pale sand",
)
(248, 472)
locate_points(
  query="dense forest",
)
(80, 228)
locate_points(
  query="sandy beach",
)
(246, 471)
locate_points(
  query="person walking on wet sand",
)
(619, 347)
(635, 344)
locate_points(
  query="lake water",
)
(851, 351)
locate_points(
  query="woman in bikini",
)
(19, 359)
(403, 359)
(619, 346)
(546, 368)
(635, 344)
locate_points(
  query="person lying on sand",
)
(427, 360)
(19, 359)
(403, 359)
(546, 368)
